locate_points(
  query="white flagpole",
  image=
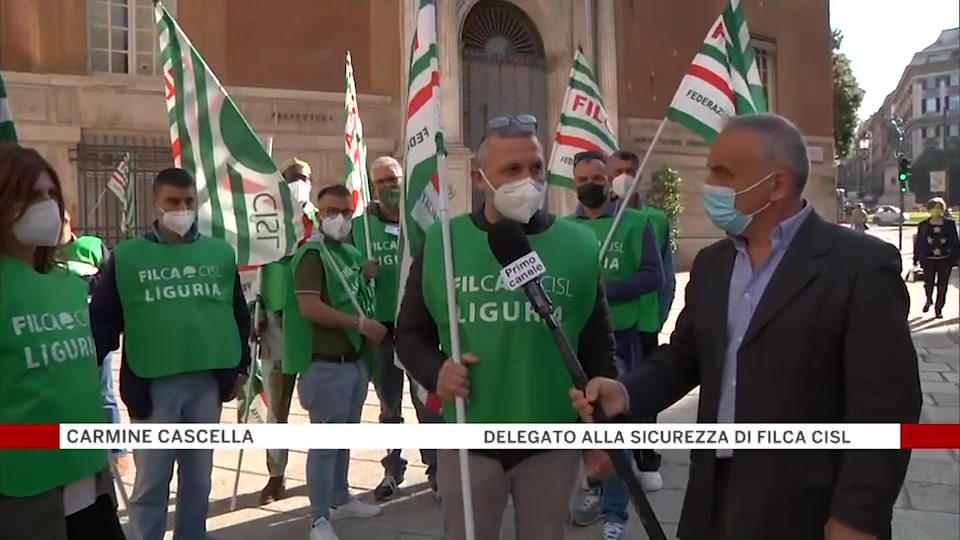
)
(633, 188)
(254, 355)
(125, 498)
(454, 322)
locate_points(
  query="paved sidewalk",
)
(928, 507)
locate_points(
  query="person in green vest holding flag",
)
(83, 255)
(512, 371)
(276, 279)
(631, 269)
(176, 297)
(49, 366)
(386, 176)
(325, 337)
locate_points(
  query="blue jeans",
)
(109, 396)
(331, 393)
(615, 495)
(189, 398)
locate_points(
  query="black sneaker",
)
(388, 488)
(434, 487)
(926, 306)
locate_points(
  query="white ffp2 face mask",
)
(621, 184)
(337, 227)
(300, 191)
(179, 221)
(40, 225)
(518, 200)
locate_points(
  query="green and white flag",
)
(119, 184)
(584, 125)
(723, 79)
(420, 202)
(355, 146)
(242, 198)
(8, 131)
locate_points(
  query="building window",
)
(766, 51)
(955, 130)
(123, 36)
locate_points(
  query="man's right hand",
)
(610, 394)
(453, 381)
(372, 330)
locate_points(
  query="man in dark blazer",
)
(789, 320)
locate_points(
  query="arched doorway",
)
(504, 70)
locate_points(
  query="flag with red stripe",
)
(355, 147)
(723, 79)
(583, 124)
(420, 200)
(242, 198)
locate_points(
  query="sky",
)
(881, 36)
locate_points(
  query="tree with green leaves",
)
(847, 97)
(665, 194)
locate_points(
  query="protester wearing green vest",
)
(623, 166)
(49, 366)
(386, 176)
(176, 297)
(631, 269)
(83, 255)
(324, 338)
(512, 371)
(276, 279)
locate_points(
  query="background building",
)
(83, 80)
(927, 99)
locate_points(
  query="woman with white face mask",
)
(46, 494)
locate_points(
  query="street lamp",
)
(864, 149)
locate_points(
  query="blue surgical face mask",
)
(720, 204)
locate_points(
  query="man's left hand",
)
(241, 380)
(836, 530)
(370, 269)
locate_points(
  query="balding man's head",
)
(778, 142)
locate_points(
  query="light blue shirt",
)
(746, 288)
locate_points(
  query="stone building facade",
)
(84, 84)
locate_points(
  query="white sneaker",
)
(355, 509)
(322, 530)
(651, 481)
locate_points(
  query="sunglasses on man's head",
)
(525, 122)
(589, 155)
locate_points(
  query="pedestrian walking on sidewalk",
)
(936, 249)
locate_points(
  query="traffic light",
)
(904, 175)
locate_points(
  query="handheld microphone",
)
(522, 269)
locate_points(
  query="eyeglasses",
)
(523, 122)
(589, 155)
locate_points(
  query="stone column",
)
(450, 15)
(607, 59)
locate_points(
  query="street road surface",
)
(928, 507)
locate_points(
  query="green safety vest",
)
(521, 376)
(337, 257)
(386, 251)
(50, 376)
(650, 315)
(275, 278)
(83, 256)
(621, 260)
(178, 306)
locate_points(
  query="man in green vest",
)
(512, 371)
(623, 166)
(386, 175)
(82, 256)
(275, 281)
(176, 297)
(631, 269)
(49, 367)
(324, 338)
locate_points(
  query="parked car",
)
(889, 215)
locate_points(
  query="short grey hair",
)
(387, 162)
(511, 131)
(781, 144)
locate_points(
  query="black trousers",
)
(936, 276)
(648, 460)
(99, 520)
